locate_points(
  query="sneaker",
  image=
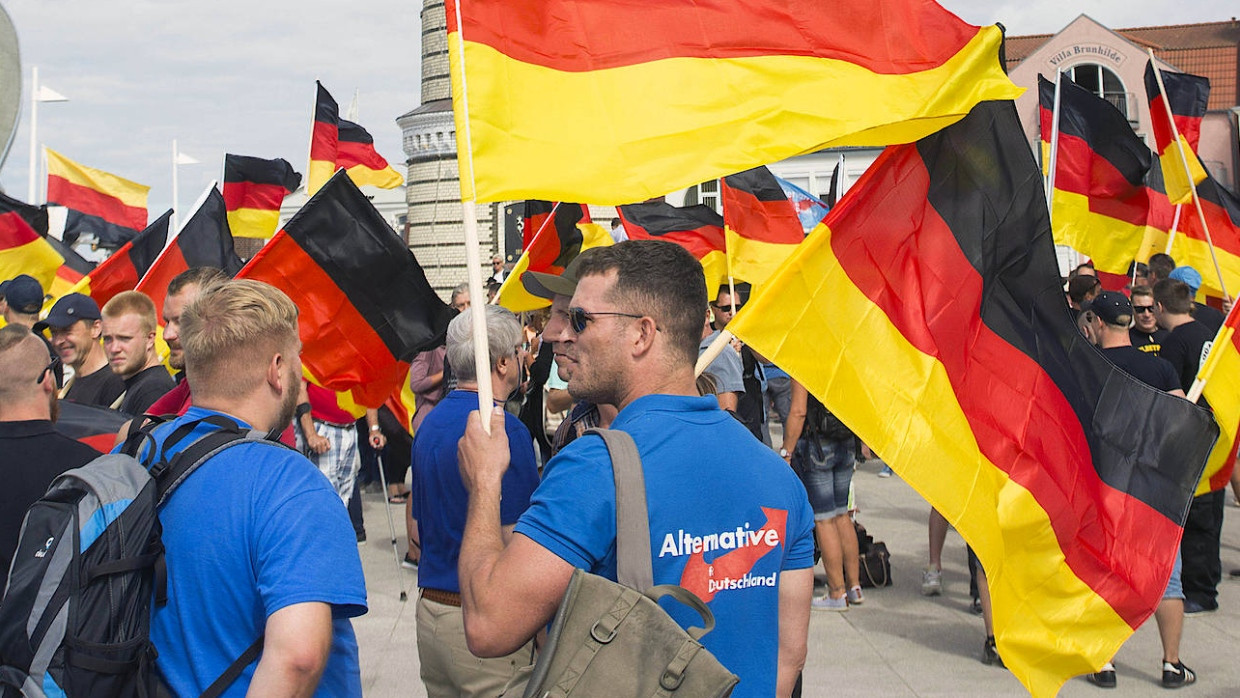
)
(361, 537)
(1193, 608)
(855, 597)
(990, 654)
(409, 563)
(1176, 675)
(1105, 678)
(886, 471)
(932, 582)
(826, 603)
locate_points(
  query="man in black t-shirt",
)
(1145, 333)
(1212, 318)
(1186, 346)
(76, 331)
(34, 452)
(129, 340)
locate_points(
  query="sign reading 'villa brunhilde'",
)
(1099, 52)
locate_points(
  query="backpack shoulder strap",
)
(633, 563)
(169, 474)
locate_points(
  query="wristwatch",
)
(374, 427)
(783, 453)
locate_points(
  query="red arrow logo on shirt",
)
(734, 564)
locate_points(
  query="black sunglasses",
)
(54, 367)
(578, 318)
(1143, 308)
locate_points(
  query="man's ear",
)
(275, 373)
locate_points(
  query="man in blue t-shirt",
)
(242, 561)
(729, 520)
(439, 501)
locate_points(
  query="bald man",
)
(34, 452)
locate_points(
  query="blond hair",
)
(231, 331)
(132, 302)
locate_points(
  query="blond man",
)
(129, 342)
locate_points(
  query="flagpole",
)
(1179, 148)
(713, 351)
(1175, 225)
(727, 253)
(1054, 154)
(175, 203)
(473, 260)
(34, 122)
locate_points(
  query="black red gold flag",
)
(1184, 105)
(125, 267)
(94, 426)
(366, 306)
(203, 241)
(696, 228)
(950, 352)
(761, 224)
(339, 144)
(254, 188)
(23, 248)
(564, 231)
(111, 208)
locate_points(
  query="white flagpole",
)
(1175, 225)
(1054, 154)
(34, 126)
(473, 260)
(175, 202)
(1179, 148)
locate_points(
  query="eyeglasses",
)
(54, 366)
(578, 318)
(727, 307)
(1143, 308)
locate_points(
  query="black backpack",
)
(75, 618)
(821, 423)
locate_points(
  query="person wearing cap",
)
(1145, 333)
(76, 330)
(129, 340)
(1112, 313)
(1212, 318)
(1187, 344)
(584, 415)
(23, 300)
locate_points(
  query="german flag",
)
(535, 215)
(933, 289)
(554, 245)
(1220, 373)
(125, 267)
(707, 89)
(698, 229)
(254, 188)
(23, 250)
(94, 426)
(202, 241)
(339, 144)
(1185, 105)
(1101, 205)
(69, 274)
(366, 307)
(111, 208)
(1191, 247)
(761, 224)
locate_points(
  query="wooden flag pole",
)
(1179, 148)
(713, 351)
(473, 260)
(1207, 367)
(1175, 226)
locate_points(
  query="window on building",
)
(1102, 82)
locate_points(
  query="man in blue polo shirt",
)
(256, 541)
(729, 520)
(440, 500)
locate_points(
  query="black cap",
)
(544, 285)
(68, 310)
(1111, 306)
(23, 293)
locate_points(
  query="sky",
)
(233, 76)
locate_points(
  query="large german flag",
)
(698, 229)
(339, 144)
(125, 267)
(1184, 105)
(202, 241)
(111, 208)
(1101, 206)
(761, 224)
(366, 307)
(254, 188)
(929, 316)
(669, 94)
(23, 250)
(565, 230)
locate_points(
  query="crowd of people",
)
(497, 520)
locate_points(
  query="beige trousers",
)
(448, 668)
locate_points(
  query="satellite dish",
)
(10, 84)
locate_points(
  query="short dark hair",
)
(1142, 290)
(1174, 295)
(659, 279)
(1160, 265)
(200, 276)
(742, 291)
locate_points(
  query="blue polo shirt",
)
(439, 498)
(255, 529)
(727, 515)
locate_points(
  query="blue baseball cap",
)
(23, 293)
(1188, 275)
(68, 310)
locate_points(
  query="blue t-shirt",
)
(440, 500)
(255, 529)
(727, 515)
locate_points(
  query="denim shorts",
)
(826, 470)
(1175, 590)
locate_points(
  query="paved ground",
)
(898, 644)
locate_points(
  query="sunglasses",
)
(1143, 308)
(54, 367)
(578, 318)
(727, 308)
